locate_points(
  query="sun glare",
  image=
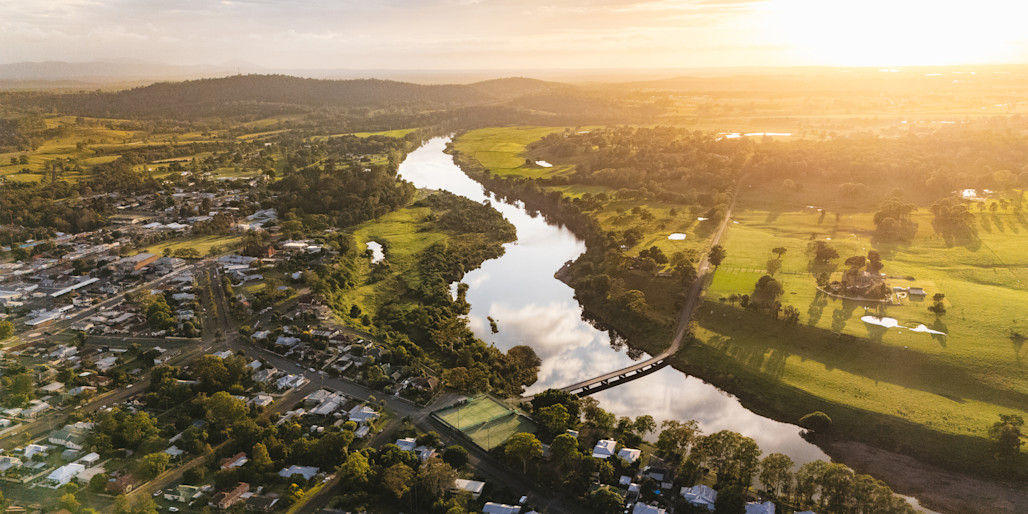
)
(898, 32)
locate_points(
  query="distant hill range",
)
(281, 94)
(97, 72)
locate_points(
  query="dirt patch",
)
(936, 488)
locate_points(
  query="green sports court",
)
(486, 421)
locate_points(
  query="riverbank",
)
(763, 396)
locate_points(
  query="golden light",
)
(898, 32)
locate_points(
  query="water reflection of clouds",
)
(533, 308)
(668, 394)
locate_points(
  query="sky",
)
(517, 34)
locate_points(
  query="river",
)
(533, 308)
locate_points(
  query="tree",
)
(523, 447)
(396, 479)
(356, 468)
(223, 410)
(152, 464)
(816, 421)
(779, 252)
(1006, 433)
(606, 500)
(716, 255)
(730, 500)
(68, 501)
(455, 456)
(766, 291)
(553, 396)
(260, 458)
(808, 480)
(644, 425)
(675, 438)
(436, 477)
(730, 455)
(554, 419)
(6, 329)
(775, 474)
(564, 451)
(98, 483)
(836, 482)
(821, 252)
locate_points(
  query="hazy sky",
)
(521, 34)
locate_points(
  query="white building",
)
(604, 448)
(700, 496)
(760, 508)
(64, 474)
(472, 486)
(629, 455)
(500, 508)
(307, 472)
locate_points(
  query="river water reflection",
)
(533, 308)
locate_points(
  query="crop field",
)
(486, 421)
(955, 384)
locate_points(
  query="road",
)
(51, 419)
(483, 463)
(703, 274)
(62, 324)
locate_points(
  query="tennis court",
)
(487, 422)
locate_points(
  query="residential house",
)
(642, 508)
(67, 439)
(261, 503)
(500, 508)
(629, 455)
(7, 462)
(226, 499)
(700, 496)
(182, 493)
(307, 472)
(604, 448)
(767, 507)
(234, 461)
(64, 474)
(471, 486)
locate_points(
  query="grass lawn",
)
(956, 384)
(202, 244)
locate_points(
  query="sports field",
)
(487, 422)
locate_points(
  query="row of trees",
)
(730, 459)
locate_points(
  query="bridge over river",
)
(656, 362)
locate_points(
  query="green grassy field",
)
(202, 244)
(955, 384)
(502, 150)
(487, 422)
(401, 235)
(398, 133)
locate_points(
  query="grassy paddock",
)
(953, 385)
